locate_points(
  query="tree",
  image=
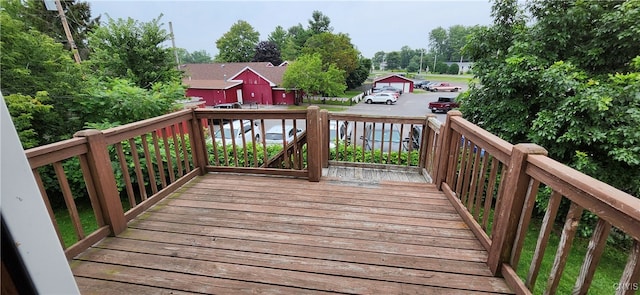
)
(551, 83)
(296, 37)
(267, 51)
(456, 39)
(278, 37)
(118, 101)
(437, 40)
(196, 57)
(133, 50)
(307, 75)
(34, 14)
(406, 53)
(238, 44)
(357, 77)
(333, 49)
(24, 109)
(378, 58)
(393, 60)
(319, 23)
(32, 62)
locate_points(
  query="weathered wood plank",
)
(336, 268)
(220, 215)
(254, 274)
(321, 230)
(312, 251)
(310, 239)
(102, 278)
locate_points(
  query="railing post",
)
(314, 156)
(104, 180)
(198, 147)
(510, 204)
(425, 138)
(444, 153)
(324, 131)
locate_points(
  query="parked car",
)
(340, 130)
(391, 88)
(240, 129)
(231, 105)
(419, 84)
(382, 97)
(274, 134)
(429, 85)
(444, 104)
(444, 87)
(385, 140)
(376, 89)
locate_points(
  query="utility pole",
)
(173, 41)
(67, 31)
(420, 69)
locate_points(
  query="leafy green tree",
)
(24, 109)
(437, 41)
(319, 23)
(133, 50)
(406, 53)
(34, 14)
(307, 74)
(333, 49)
(357, 77)
(32, 62)
(296, 37)
(393, 60)
(377, 59)
(196, 57)
(456, 39)
(278, 37)
(267, 51)
(562, 83)
(238, 44)
(119, 101)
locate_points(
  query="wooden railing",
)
(145, 161)
(125, 170)
(349, 139)
(494, 186)
(226, 149)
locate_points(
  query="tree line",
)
(341, 65)
(445, 45)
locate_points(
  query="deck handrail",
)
(481, 173)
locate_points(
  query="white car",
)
(381, 97)
(341, 129)
(274, 134)
(240, 129)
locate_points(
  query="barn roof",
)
(393, 75)
(228, 71)
(219, 71)
(210, 84)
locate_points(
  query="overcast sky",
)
(372, 25)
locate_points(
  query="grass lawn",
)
(607, 274)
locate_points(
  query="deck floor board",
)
(233, 234)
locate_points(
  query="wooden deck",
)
(231, 234)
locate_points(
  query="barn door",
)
(239, 95)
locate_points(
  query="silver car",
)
(383, 137)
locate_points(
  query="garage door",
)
(404, 86)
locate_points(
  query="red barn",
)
(396, 81)
(237, 82)
(214, 92)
